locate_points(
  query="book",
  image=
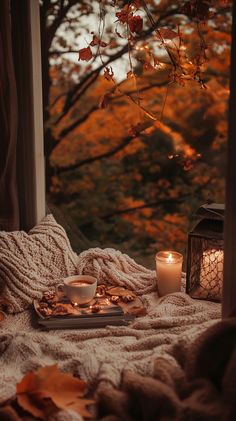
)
(86, 322)
(114, 306)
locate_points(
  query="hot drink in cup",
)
(79, 289)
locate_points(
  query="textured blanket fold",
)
(199, 383)
(103, 357)
(100, 356)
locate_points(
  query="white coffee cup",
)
(79, 289)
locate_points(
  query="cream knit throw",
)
(97, 355)
(112, 266)
(30, 263)
(100, 356)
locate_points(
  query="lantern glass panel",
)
(205, 261)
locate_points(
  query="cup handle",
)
(60, 287)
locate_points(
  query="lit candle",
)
(169, 269)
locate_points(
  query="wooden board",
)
(107, 301)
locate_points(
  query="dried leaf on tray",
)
(47, 389)
(120, 292)
(134, 307)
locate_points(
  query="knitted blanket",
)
(100, 356)
(198, 384)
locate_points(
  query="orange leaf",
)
(39, 391)
(85, 54)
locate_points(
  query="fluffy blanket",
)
(101, 356)
(198, 384)
(106, 357)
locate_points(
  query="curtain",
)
(9, 208)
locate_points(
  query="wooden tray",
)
(111, 305)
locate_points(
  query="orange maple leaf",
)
(48, 389)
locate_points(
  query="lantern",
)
(206, 254)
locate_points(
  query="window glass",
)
(132, 151)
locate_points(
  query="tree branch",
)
(58, 20)
(64, 132)
(53, 52)
(146, 205)
(98, 157)
(79, 89)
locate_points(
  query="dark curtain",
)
(9, 209)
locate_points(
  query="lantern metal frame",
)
(206, 236)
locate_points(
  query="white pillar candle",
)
(169, 270)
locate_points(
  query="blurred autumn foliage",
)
(135, 132)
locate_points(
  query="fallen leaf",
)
(42, 390)
(85, 54)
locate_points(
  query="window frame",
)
(26, 36)
(25, 16)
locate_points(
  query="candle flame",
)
(170, 258)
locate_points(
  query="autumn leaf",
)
(135, 24)
(85, 54)
(108, 73)
(47, 389)
(168, 33)
(198, 9)
(97, 41)
(123, 15)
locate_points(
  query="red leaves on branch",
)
(126, 16)
(123, 15)
(85, 54)
(197, 9)
(97, 41)
(135, 24)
